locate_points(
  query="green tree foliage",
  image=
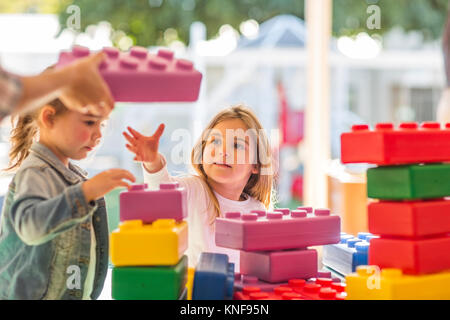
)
(145, 21)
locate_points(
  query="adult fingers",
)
(97, 57)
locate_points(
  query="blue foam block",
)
(213, 277)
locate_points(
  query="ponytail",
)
(25, 132)
(22, 136)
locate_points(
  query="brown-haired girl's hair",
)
(259, 186)
(25, 131)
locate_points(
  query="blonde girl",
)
(232, 164)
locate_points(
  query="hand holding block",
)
(161, 243)
(169, 202)
(388, 146)
(139, 76)
(276, 230)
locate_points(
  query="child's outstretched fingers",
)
(132, 148)
(145, 148)
(135, 134)
(129, 138)
(124, 174)
(106, 181)
(158, 133)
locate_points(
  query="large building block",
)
(244, 280)
(409, 182)
(140, 76)
(161, 243)
(417, 256)
(213, 277)
(369, 283)
(277, 231)
(149, 283)
(346, 255)
(278, 266)
(387, 145)
(139, 203)
(410, 218)
(296, 289)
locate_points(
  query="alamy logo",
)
(374, 20)
(374, 280)
(74, 20)
(74, 279)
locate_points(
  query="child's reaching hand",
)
(102, 183)
(145, 148)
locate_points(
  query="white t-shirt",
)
(201, 235)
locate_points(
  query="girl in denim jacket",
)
(53, 227)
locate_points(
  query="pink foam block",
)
(278, 266)
(277, 231)
(140, 76)
(169, 202)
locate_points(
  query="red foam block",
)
(296, 289)
(423, 256)
(409, 219)
(387, 146)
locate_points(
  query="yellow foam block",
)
(371, 283)
(190, 282)
(160, 243)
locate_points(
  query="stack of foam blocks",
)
(411, 258)
(147, 250)
(274, 251)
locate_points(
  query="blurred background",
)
(385, 65)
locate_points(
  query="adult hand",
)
(87, 92)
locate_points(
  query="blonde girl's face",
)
(75, 134)
(230, 153)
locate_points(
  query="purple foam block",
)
(278, 266)
(140, 76)
(169, 202)
(276, 231)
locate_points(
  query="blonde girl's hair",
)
(25, 131)
(259, 185)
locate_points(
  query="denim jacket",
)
(45, 232)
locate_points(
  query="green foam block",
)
(150, 283)
(409, 182)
